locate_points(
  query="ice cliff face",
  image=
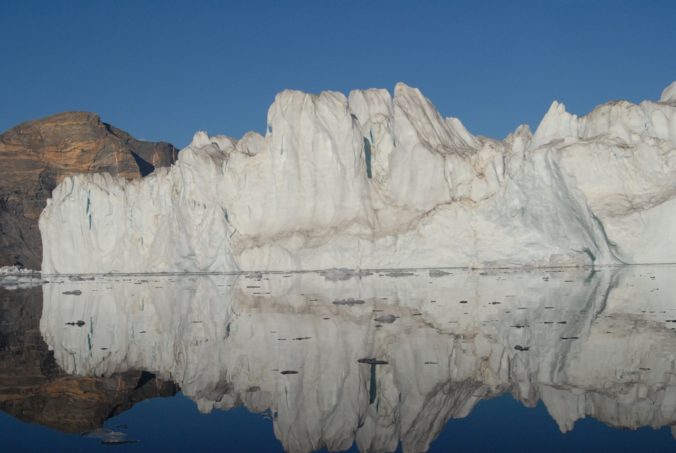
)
(379, 181)
(290, 345)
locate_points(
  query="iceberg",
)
(379, 181)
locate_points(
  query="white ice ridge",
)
(378, 181)
(290, 345)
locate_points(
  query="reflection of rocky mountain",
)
(599, 344)
(34, 388)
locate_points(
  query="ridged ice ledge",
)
(378, 181)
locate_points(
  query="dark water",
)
(385, 361)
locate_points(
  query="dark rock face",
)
(35, 156)
(33, 388)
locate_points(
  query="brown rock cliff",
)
(35, 156)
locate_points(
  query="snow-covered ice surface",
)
(439, 342)
(372, 181)
(14, 277)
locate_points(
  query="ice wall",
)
(378, 181)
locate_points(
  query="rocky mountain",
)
(375, 180)
(37, 155)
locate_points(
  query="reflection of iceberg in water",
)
(596, 344)
(34, 389)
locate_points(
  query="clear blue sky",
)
(164, 69)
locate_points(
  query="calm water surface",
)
(413, 361)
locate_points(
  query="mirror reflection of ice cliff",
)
(387, 357)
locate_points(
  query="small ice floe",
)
(386, 319)
(436, 273)
(110, 437)
(348, 302)
(338, 274)
(15, 277)
(372, 361)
